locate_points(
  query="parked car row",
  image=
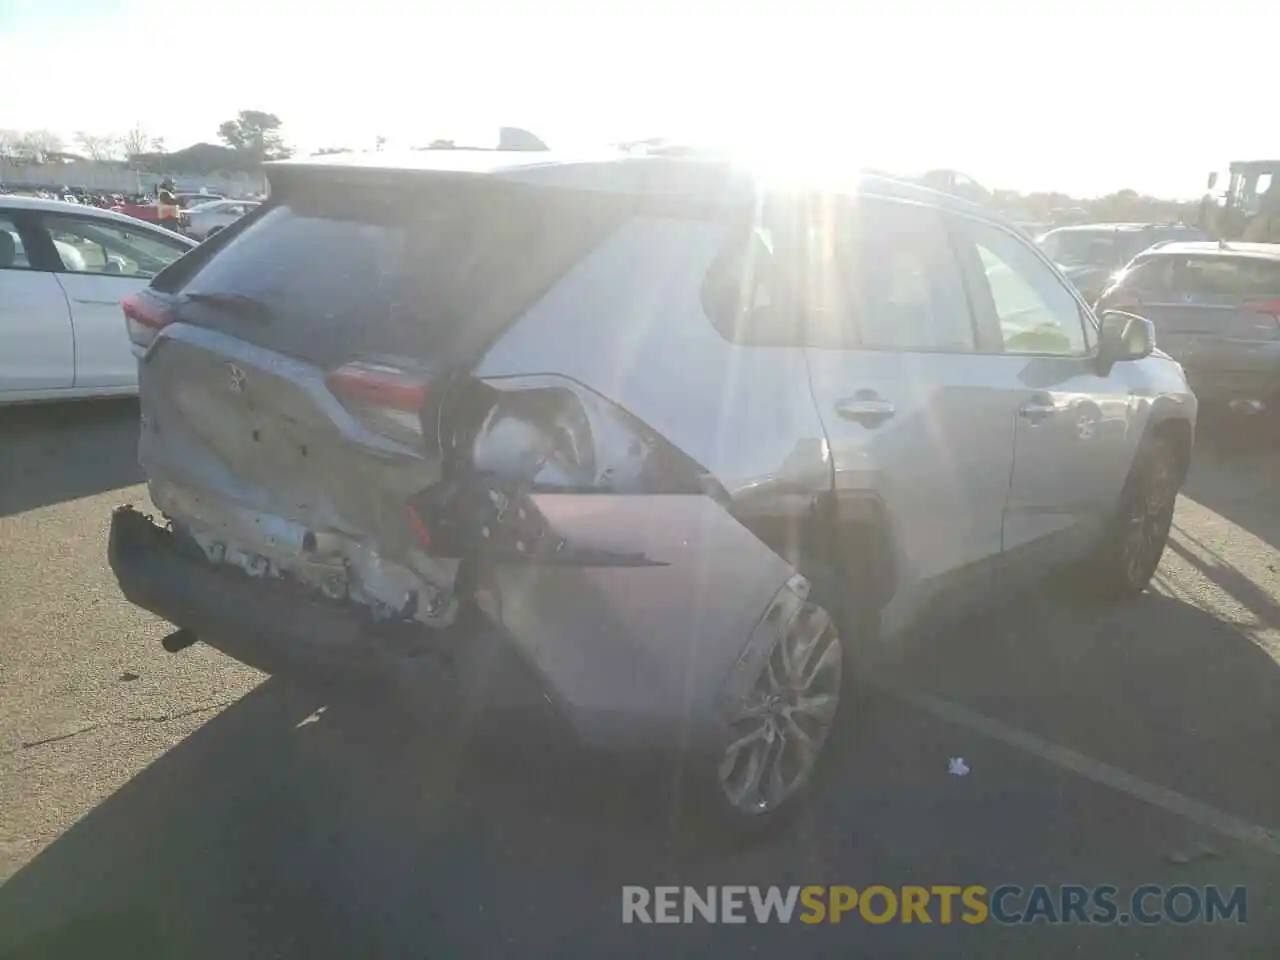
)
(200, 214)
(1091, 254)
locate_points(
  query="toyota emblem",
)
(237, 377)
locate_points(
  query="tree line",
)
(255, 135)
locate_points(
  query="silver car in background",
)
(205, 219)
(647, 447)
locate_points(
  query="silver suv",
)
(645, 444)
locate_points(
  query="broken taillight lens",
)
(144, 317)
(387, 399)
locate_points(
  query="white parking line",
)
(1095, 770)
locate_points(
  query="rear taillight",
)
(385, 398)
(145, 318)
(1269, 307)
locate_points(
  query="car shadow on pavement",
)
(63, 451)
(358, 830)
(1235, 472)
(1218, 569)
(279, 809)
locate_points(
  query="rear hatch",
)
(298, 350)
(1210, 310)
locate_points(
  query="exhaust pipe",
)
(180, 639)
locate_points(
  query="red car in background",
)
(150, 212)
(172, 217)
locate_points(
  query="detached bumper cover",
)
(268, 625)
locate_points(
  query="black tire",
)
(1131, 549)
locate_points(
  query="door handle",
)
(99, 303)
(865, 407)
(1037, 409)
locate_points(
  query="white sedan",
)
(64, 268)
(205, 219)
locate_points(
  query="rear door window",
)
(831, 273)
(109, 247)
(909, 293)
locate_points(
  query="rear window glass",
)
(1147, 276)
(1228, 277)
(313, 270)
(1084, 248)
(346, 274)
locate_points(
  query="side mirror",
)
(1213, 180)
(1123, 336)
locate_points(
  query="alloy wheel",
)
(786, 718)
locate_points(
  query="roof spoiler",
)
(514, 138)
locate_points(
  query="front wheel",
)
(1133, 545)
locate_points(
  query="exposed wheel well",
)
(842, 542)
(844, 549)
(862, 549)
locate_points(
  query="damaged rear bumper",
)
(652, 657)
(282, 629)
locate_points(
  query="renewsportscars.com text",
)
(943, 904)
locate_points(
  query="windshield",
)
(1085, 248)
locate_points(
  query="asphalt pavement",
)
(157, 805)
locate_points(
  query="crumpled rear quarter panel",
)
(641, 655)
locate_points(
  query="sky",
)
(1086, 97)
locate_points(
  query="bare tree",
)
(10, 144)
(138, 140)
(32, 146)
(99, 147)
